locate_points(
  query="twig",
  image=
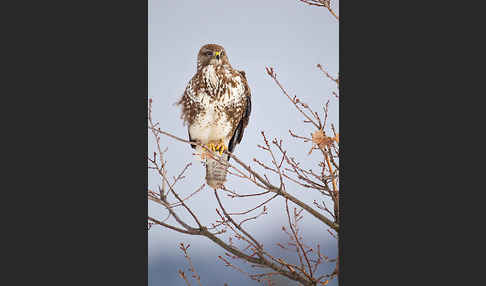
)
(193, 270)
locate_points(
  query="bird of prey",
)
(216, 106)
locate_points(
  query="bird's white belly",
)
(211, 127)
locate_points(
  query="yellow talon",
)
(222, 148)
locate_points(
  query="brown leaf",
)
(320, 139)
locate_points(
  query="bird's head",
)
(212, 54)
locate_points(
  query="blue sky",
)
(287, 35)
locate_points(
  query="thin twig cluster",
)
(322, 3)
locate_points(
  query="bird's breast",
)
(210, 125)
(217, 100)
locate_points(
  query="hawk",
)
(216, 106)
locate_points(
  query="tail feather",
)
(216, 171)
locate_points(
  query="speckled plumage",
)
(216, 104)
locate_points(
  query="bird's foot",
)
(217, 146)
(211, 147)
(221, 148)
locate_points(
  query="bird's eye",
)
(209, 53)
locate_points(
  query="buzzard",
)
(216, 106)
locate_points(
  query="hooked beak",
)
(217, 54)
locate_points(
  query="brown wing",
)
(238, 135)
(189, 110)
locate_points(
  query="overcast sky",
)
(287, 35)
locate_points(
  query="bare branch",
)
(322, 3)
(192, 269)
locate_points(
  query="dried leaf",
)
(320, 139)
